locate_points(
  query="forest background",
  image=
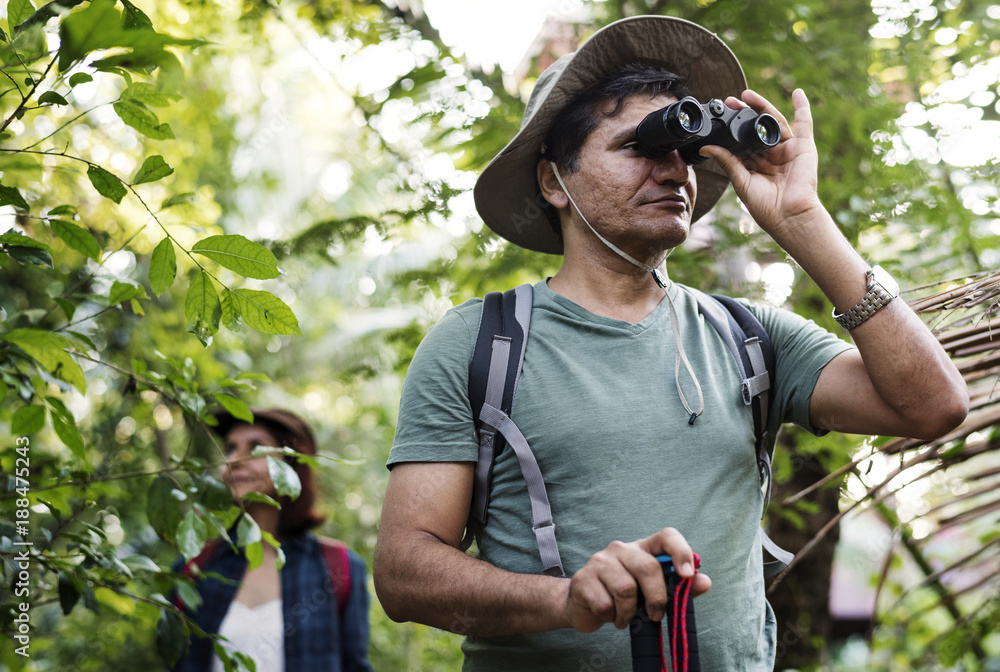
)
(229, 204)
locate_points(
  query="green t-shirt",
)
(598, 404)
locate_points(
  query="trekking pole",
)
(648, 653)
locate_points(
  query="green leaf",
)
(240, 255)
(81, 32)
(65, 428)
(163, 508)
(77, 238)
(171, 637)
(141, 562)
(80, 78)
(49, 350)
(28, 420)
(90, 599)
(124, 291)
(280, 559)
(68, 594)
(248, 535)
(147, 94)
(83, 338)
(52, 98)
(265, 312)
(211, 492)
(189, 595)
(285, 480)
(62, 210)
(231, 312)
(142, 119)
(253, 375)
(191, 535)
(262, 498)
(11, 196)
(107, 185)
(26, 250)
(18, 11)
(154, 168)
(162, 266)
(177, 199)
(202, 308)
(100, 26)
(235, 407)
(30, 255)
(68, 308)
(133, 17)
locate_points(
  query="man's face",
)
(642, 205)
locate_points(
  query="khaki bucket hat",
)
(506, 193)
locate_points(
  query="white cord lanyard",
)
(660, 278)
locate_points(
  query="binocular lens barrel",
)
(686, 116)
(765, 133)
(674, 124)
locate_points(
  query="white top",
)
(257, 632)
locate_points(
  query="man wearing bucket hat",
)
(640, 455)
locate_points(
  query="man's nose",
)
(671, 168)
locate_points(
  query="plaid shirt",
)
(317, 638)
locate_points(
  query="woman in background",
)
(310, 616)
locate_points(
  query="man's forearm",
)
(906, 364)
(425, 580)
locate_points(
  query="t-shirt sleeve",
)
(435, 417)
(801, 349)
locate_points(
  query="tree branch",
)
(26, 97)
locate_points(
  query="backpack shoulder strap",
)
(494, 372)
(339, 563)
(202, 558)
(199, 561)
(754, 354)
(751, 348)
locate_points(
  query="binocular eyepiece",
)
(688, 125)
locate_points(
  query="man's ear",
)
(549, 185)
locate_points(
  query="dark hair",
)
(297, 515)
(578, 119)
(583, 114)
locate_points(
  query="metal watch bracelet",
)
(882, 289)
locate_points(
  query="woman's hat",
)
(506, 193)
(278, 418)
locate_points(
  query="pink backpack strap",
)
(339, 563)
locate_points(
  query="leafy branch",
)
(25, 97)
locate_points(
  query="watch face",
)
(887, 282)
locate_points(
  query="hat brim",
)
(291, 423)
(506, 193)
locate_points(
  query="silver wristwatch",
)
(881, 290)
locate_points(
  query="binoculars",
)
(688, 125)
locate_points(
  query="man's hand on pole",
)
(605, 590)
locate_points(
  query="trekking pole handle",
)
(646, 640)
(647, 636)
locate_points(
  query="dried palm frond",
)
(964, 318)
